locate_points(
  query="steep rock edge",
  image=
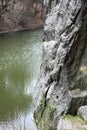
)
(62, 73)
(21, 14)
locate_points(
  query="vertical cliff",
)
(21, 14)
(62, 82)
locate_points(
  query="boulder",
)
(82, 111)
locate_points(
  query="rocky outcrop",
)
(78, 99)
(64, 59)
(21, 14)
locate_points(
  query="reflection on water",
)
(20, 57)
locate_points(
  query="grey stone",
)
(78, 99)
(64, 54)
(67, 124)
(82, 111)
(64, 125)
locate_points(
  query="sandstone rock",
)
(82, 111)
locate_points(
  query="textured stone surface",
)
(64, 56)
(67, 124)
(78, 99)
(21, 14)
(82, 111)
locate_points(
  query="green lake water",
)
(20, 59)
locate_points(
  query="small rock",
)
(82, 111)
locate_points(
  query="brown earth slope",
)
(21, 14)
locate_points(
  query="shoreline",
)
(19, 30)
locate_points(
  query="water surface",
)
(20, 58)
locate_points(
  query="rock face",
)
(21, 14)
(64, 60)
(82, 111)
